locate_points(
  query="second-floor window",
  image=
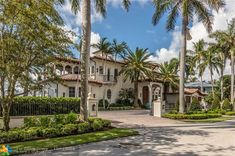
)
(71, 91)
(101, 70)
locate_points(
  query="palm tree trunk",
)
(201, 84)
(136, 94)
(222, 84)
(85, 56)
(232, 80)
(182, 65)
(212, 81)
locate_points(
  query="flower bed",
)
(191, 116)
(48, 127)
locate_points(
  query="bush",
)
(69, 129)
(29, 106)
(217, 111)
(195, 105)
(226, 105)
(50, 132)
(100, 103)
(54, 127)
(83, 127)
(215, 103)
(230, 113)
(191, 116)
(71, 118)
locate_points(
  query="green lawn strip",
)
(52, 143)
(210, 120)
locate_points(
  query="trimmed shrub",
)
(226, 105)
(69, 129)
(53, 130)
(230, 113)
(29, 106)
(83, 127)
(191, 116)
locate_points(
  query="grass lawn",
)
(211, 120)
(51, 143)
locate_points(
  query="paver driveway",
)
(158, 137)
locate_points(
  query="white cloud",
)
(95, 38)
(118, 3)
(199, 32)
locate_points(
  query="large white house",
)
(105, 81)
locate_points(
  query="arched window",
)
(76, 70)
(68, 69)
(109, 94)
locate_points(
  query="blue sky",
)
(134, 27)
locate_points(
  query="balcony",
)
(109, 78)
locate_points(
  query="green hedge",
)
(191, 116)
(55, 128)
(29, 106)
(230, 113)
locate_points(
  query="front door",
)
(145, 95)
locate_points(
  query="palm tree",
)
(118, 49)
(105, 47)
(227, 41)
(100, 6)
(168, 72)
(199, 56)
(187, 9)
(211, 61)
(137, 67)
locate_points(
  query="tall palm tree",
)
(211, 61)
(118, 49)
(227, 41)
(100, 6)
(137, 67)
(105, 47)
(199, 56)
(187, 9)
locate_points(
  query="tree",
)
(105, 47)
(227, 41)
(30, 38)
(199, 56)
(187, 9)
(100, 6)
(137, 67)
(211, 61)
(118, 49)
(168, 72)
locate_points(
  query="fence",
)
(29, 106)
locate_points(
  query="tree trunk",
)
(201, 84)
(182, 65)
(6, 117)
(136, 94)
(212, 81)
(232, 80)
(85, 56)
(222, 84)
